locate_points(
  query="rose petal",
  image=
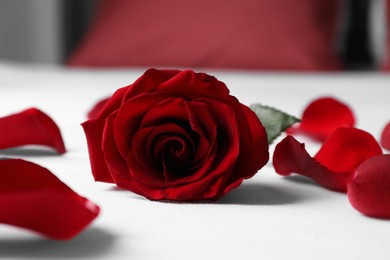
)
(253, 144)
(322, 117)
(346, 149)
(150, 144)
(369, 192)
(93, 129)
(130, 116)
(385, 137)
(290, 156)
(94, 112)
(192, 187)
(32, 197)
(30, 127)
(117, 166)
(148, 82)
(192, 85)
(96, 157)
(334, 164)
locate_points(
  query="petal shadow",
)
(301, 180)
(92, 243)
(35, 151)
(261, 194)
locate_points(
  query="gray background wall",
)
(31, 30)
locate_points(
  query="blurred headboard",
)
(356, 46)
(77, 16)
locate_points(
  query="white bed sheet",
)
(267, 217)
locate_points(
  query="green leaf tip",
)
(274, 121)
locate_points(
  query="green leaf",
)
(274, 120)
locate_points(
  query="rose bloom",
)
(175, 135)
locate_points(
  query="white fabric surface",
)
(268, 217)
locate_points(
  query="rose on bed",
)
(176, 135)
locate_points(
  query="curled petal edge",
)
(30, 127)
(290, 156)
(31, 197)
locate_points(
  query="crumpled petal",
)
(385, 137)
(322, 117)
(369, 192)
(32, 197)
(333, 165)
(30, 127)
(93, 113)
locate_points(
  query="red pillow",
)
(250, 34)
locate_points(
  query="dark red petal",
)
(93, 113)
(369, 192)
(130, 116)
(30, 127)
(290, 157)
(222, 160)
(191, 85)
(385, 138)
(205, 125)
(148, 82)
(117, 167)
(334, 164)
(148, 149)
(322, 117)
(93, 130)
(195, 114)
(113, 103)
(253, 145)
(168, 110)
(32, 197)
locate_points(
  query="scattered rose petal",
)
(385, 138)
(30, 127)
(93, 113)
(32, 197)
(322, 117)
(369, 192)
(333, 165)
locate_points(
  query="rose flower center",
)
(175, 153)
(177, 157)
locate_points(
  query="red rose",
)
(176, 135)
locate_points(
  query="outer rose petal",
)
(253, 144)
(148, 82)
(32, 197)
(385, 137)
(190, 85)
(116, 164)
(112, 104)
(93, 129)
(94, 112)
(369, 192)
(334, 164)
(322, 117)
(30, 127)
